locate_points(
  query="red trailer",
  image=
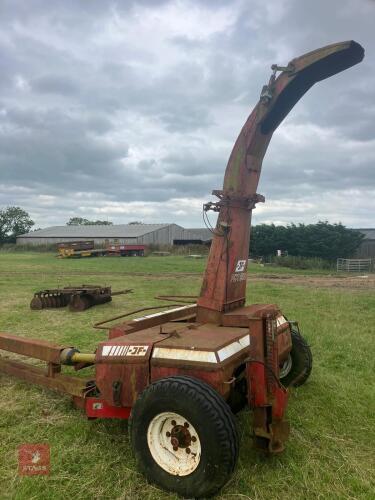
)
(126, 250)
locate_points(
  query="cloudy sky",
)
(128, 110)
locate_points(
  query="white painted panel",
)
(184, 354)
(233, 348)
(280, 320)
(155, 315)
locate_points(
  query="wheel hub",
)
(286, 367)
(180, 435)
(174, 443)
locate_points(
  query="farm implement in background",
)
(78, 298)
(181, 374)
(80, 249)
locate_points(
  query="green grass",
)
(330, 453)
(48, 263)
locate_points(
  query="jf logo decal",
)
(240, 267)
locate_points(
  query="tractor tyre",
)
(297, 368)
(184, 436)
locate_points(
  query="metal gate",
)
(354, 265)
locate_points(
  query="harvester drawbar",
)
(180, 375)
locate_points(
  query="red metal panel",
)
(280, 402)
(133, 379)
(255, 368)
(99, 408)
(243, 316)
(216, 378)
(124, 363)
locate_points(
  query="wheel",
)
(36, 303)
(297, 368)
(79, 303)
(184, 436)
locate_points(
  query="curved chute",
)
(224, 283)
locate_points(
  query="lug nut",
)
(187, 450)
(186, 425)
(193, 438)
(168, 434)
(175, 448)
(173, 422)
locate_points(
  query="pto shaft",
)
(71, 356)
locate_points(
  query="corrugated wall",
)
(366, 250)
(162, 236)
(51, 241)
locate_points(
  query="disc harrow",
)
(77, 298)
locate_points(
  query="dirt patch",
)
(363, 282)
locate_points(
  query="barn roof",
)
(96, 231)
(369, 233)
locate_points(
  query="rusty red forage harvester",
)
(181, 374)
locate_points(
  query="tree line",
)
(322, 240)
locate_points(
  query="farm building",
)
(129, 234)
(367, 248)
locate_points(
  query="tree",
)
(13, 222)
(100, 223)
(324, 240)
(79, 221)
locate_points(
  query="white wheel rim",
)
(287, 366)
(174, 443)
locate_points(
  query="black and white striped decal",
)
(124, 350)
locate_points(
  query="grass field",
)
(331, 452)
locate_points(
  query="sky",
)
(128, 110)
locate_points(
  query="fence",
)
(354, 265)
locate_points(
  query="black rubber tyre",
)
(301, 362)
(208, 415)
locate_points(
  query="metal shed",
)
(140, 234)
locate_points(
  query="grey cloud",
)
(105, 112)
(55, 85)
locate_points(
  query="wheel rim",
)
(286, 367)
(174, 443)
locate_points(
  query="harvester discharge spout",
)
(224, 283)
